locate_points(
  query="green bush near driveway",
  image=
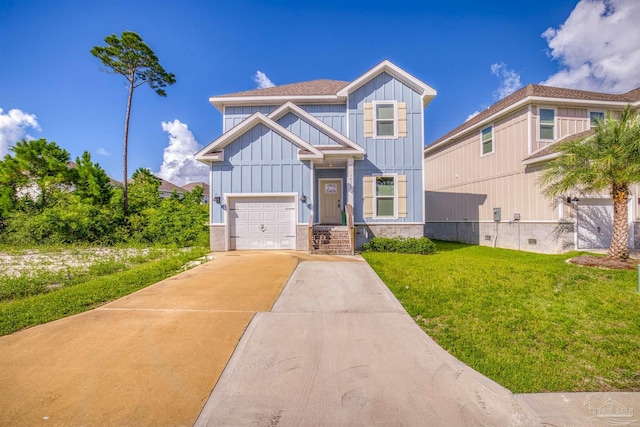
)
(531, 322)
(405, 245)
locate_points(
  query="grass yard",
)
(531, 322)
(40, 286)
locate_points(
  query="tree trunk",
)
(126, 143)
(619, 248)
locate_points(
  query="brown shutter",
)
(402, 196)
(368, 120)
(367, 196)
(402, 119)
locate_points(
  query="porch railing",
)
(351, 227)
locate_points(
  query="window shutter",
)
(367, 196)
(402, 196)
(368, 120)
(402, 119)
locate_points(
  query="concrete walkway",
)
(149, 359)
(338, 349)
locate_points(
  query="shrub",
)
(405, 245)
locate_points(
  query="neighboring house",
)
(481, 179)
(296, 155)
(205, 189)
(167, 188)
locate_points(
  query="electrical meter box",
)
(516, 216)
(497, 214)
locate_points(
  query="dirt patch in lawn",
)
(604, 262)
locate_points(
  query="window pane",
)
(487, 147)
(384, 129)
(384, 207)
(384, 111)
(546, 116)
(487, 133)
(595, 117)
(546, 132)
(384, 186)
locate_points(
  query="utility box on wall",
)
(497, 214)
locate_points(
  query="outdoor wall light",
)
(216, 198)
(303, 199)
(574, 200)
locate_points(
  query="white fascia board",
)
(518, 105)
(341, 154)
(540, 159)
(221, 102)
(224, 139)
(426, 92)
(314, 121)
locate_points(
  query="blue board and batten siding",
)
(333, 115)
(305, 131)
(260, 161)
(402, 156)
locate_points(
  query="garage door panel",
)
(595, 224)
(262, 223)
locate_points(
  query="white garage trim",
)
(231, 198)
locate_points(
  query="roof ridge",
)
(307, 87)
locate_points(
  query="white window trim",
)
(493, 140)
(375, 120)
(395, 196)
(604, 113)
(555, 123)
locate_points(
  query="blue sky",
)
(471, 52)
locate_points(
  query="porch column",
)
(350, 181)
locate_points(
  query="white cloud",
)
(101, 151)
(13, 126)
(598, 47)
(262, 80)
(472, 115)
(178, 163)
(510, 80)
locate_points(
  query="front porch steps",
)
(330, 240)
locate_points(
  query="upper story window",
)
(486, 139)
(547, 124)
(385, 120)
(595, 117)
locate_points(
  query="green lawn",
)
(531, 322)
(44, 295)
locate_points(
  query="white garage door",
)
(262, 222)
(595, 224)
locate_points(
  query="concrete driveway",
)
(337, 349)
(150, 358)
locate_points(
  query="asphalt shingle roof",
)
(310, 88)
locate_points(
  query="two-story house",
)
(482, 178)
(307, 157)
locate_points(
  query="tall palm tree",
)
(607, 160)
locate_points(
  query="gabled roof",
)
(426, 92)
(190, 186)
(166, 186)
(213, 151)
(537, 93)
(549, 152)
(320, 91)
(346, 143)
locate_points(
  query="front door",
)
(330, 201)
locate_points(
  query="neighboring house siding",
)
(260, 161)
(305, 131)
(332, 114)
(462, 185)
(401, 156)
